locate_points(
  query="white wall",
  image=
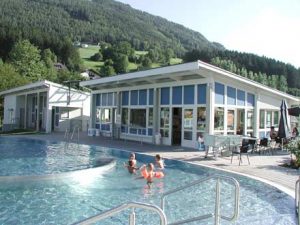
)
(58, 97)
(9, 103)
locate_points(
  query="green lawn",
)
(86, 53)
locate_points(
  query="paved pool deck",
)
(263, 166)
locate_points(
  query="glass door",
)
(188, 128)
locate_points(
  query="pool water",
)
(38, 186)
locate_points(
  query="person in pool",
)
(132, 159)
(159, 162)
(148, 173)
(131, 168)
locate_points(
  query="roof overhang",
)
(187, 71)
(26, 88)
(179, 72)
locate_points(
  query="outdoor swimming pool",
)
(37, 186)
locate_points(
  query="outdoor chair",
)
(244, 149)
(264, 146)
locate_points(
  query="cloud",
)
(270, 34)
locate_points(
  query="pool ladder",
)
(160, 211)
(69, 136)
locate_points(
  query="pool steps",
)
(160, 211)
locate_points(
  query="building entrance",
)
(176, 127)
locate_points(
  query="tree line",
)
(270, 72)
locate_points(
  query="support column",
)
(256, 116)
(49, 119)
(119, 115)
(245, 121)
(38, 112)
(25, 112)
(210, 108)
(155, 113)
(92, 111)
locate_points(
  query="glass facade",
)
(164, 122)
(219, 118)
(233, 112)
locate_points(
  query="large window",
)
(219, 118)
(261, 119)
(105, 116)
(125, 116)
(276, 119)
(150, 117)
(231, 96)
(164, 122)
(250, 120)
(230, 121)
(138, 118)
(219, 93)
(188, 95)
(201, 94)
(188, 124)
(269, 119)
(165, 96)
(201, 118)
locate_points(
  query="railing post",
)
(217, 206)
(132, 218)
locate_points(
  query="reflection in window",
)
(124, 116)
(261, 119)
(219, 118)
(230, 120)
(250, 119)
(201, 118)
(150, 117)
(269, 119)
(105, 115)
(276, 119)
(164, 122)
(138, 118)
(188, 119)
(188, 124)
(98, 115)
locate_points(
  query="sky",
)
(263, 27)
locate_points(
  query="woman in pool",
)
(130, 166)
(159, 162)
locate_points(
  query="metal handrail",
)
(66, 136)
(216, 214)
(132, 205)
(297, 199)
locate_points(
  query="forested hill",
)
(53, 26)
(95, 21)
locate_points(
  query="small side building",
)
(45, 106)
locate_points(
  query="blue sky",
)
(263, 27)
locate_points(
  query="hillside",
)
(54, 25)
(96, 21)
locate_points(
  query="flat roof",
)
(35, 86)
(184, 71)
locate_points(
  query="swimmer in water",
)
(131, 168)
(159, 162)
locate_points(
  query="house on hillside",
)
(45, 106)
(90, 75)
(59, 66)
(182, 101)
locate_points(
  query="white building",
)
(180, 102)
(45, 106)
